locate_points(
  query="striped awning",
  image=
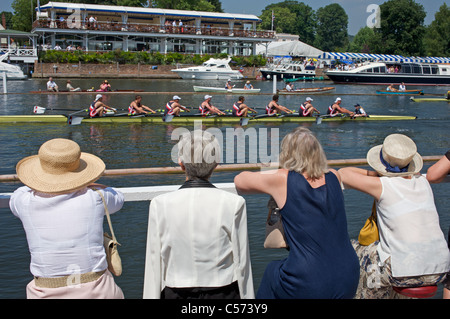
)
(380, 57)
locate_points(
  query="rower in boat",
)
(336, 109)
(98, 108)
(248, 86)
(206, 108)
(307, 109)
(402, 87)
(137, 108)
(241, 109)
(228, 85)
(274, 108)
(359, 111)
(105, 87)
(51, 85)
(70, 88)
(391, 88)
(173, 107)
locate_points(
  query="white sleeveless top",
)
(409, 228)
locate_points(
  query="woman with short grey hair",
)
(198, 154)
(321, 262)
(197, 242)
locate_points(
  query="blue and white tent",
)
(380, 57)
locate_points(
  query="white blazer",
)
(197, 238)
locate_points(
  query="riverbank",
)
(123, 71)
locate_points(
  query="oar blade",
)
(74, 120)
(38, 109)
(244, 121)
(167, 118)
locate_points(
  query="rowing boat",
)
(185, 119)
(306, 90)
(224, 90)
(85, 91)
(406, 92)
(430, 99)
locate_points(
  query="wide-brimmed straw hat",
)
(59, 167)
(397, 156)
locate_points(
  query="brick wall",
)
(77, 70)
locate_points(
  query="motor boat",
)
(213, 69)
(13, 72)
(286, 68)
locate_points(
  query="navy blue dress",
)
(322, 263)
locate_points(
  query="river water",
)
(145, 145)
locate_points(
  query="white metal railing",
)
(136, 194)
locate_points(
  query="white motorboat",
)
(13, 72)
(224, 90)
(286, 68)
(213, 69)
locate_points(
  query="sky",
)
(356, 9)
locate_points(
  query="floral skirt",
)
(376, 281)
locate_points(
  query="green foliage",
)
(402, 27)
(437, 39)
(142, 57)
(290, 17)
(332, 28)
(366, 41)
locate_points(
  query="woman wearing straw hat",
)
(63, 222)
(412, 250)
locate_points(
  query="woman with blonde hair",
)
(321, 261)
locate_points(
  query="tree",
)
(366, 41)
(332, 28)
(197, 5)
(304, 24)
(437, 40)
(402, 27)
(284, 20)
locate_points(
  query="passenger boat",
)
(406, 92)
(224, 90)
(84, 91)
(213, 69)
(286, 68)
(306, 90)
(185, 119)
(408, 73)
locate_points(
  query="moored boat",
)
(306, 90)
(224, 90)
(286, 68)
(184, 119)
(381, 73)
(213, 69)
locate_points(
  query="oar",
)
(41, 110)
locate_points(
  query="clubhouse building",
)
(104, 28)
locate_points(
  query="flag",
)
(273, 16)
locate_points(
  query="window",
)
(426, 69)
(406, 68)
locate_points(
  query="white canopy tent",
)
(291, 48)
